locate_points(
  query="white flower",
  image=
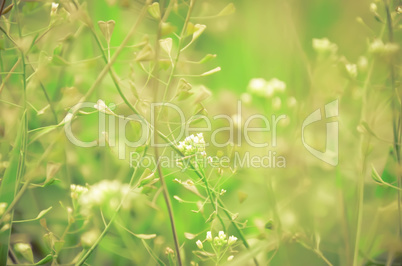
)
(102, 107)
(232, 240)
(222, 235)
(222, 192)
(378, 47)
(193, 145)
(277, 84)
(209, 236)
(230, 258)
(199, 244)
(106, 194)
(168, 251)
(373, 7)
(54, 8)
(77, 191)
(352, 70)
(263, 88)
(257, 85)
(324, 46)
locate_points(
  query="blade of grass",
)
(9, 186)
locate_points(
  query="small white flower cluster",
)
(77, 191)
(54, 8)
(106, 194)
(102, 107)
(263, 88)
(373, 7)
(378, 47)
(352, 70)
(218, 241)
(193, 145)
(324, 46)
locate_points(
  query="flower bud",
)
(209, 236)
(199, 244)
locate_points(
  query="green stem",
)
(183, 31)
(213, 199)
(396, 125)
(165, 190)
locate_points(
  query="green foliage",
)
(95, 69)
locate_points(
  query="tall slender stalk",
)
(362, 171)
(165, 190)
(396, 125)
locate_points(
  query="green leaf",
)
(207, 58)
(144, 236)
(178, 198)
(39, 216)
(213, 71)
(39, 132)
(227, 10)
(147, 178)
(375, 176)
(378, 179)
(189, 236)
